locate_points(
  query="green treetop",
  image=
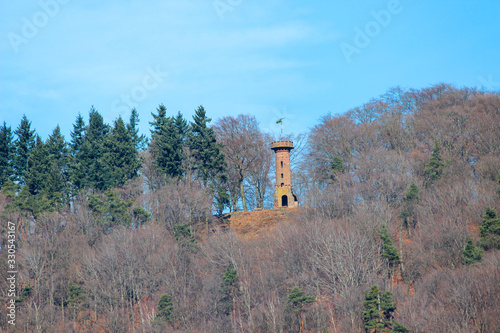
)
(7, 151)
(434, 169)
(490, 230)
(295, 303)
(120, 155)
(165, 308)
(471, 254)
(379, 312)
(389, 251)
(208, 157)
(77, 171)
(140, 141)
(24, 144)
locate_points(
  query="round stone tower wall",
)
(283, 194)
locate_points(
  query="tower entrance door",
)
(284, 201)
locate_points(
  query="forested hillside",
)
(398, 229)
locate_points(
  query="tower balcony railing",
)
(281, 144)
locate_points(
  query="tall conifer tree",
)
(58, 177)
(121, 155)
(168, 142)
(77, 172)
(139, 141)
(6, 154)
(98, 173)
(24, 144)
(208, 157)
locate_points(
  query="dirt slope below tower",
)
(257, 223)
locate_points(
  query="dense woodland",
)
(397, 231)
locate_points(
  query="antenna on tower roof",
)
(280, 121)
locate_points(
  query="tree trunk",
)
(401, 247)
(301, 322)
(243, 199)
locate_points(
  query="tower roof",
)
(282, 144)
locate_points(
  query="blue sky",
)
(271, 59)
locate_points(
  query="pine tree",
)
(110, 210)
(165, 308)
(24, 144)
(140, 141)
(36, 176)
(295, 303)
(120, 155)
(408, 211)
(168, 150)
(490, 230)
(372, 317)
(389, 251)
(338, 166)
(168, 143)
(208, 157)
(379, 312)
(181, 125)
(229, 290)
(58, 176)
(159, 120)
(6, 154)
(471, 253)
(97, 171)
(434, 169)
(139, 216)
(77, 170)
(33, 196)
(183, 236)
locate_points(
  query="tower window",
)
(281, 176)
(281, 163)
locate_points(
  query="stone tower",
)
(283, 194)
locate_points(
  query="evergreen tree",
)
(229, 290)
(120, 155)
(181, 125)
(168, 143)
(158, 120)
(389, 251)
(140, 141)
(36, 176)
(208, 157)
(165, 308)
(434, 169)
(77, 171)
(338, 166)
(10, 189)
(471, 254)
(98, 175)
(372, 317)
(111, 210)
(490, 230)
(33, 196)
(379, 312)
(6, 154)
(410, 201)
(139, 216)
(295, 303)
(58, 177)
(24, 144)
(168, 150)
(183, 236)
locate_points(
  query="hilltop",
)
(256, 223)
